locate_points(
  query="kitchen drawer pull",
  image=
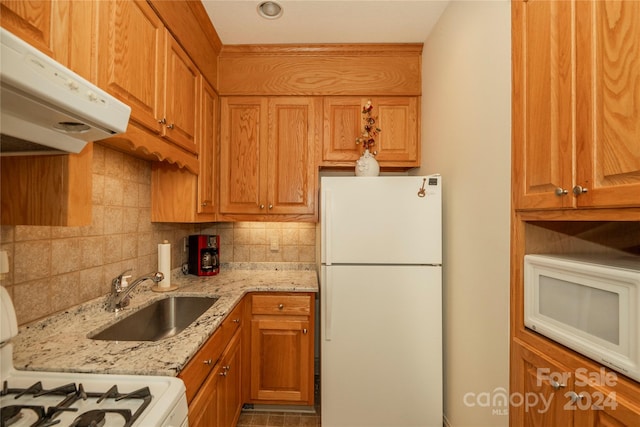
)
(236, 320)
(223, 373)
(226, 368)
(208, 362)
(170, 126)
(556, 385)
(280, 306)
(304, 331)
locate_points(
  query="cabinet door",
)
(291, 166)
(280, 359)
(396, 145)
(598, 407)
(243, 159)
(229, 394)
(542, 104)
(608, 102)
(342, 125)
(182, 97)
(208, 149)
(203, 409)
(131, 56)
(542, 388)
(31, 21)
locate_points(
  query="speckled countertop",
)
(59, 343)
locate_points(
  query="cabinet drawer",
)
(204, 360)
(281, 304)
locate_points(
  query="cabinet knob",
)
(236, 320)
(556, 385)
(561, 191)
(204, 203)
(163, 121)
(578, 190)
(170, 126)
(208, 362)
(280, 306)
(304, 331)
(261, 206)
(574, 396)
(270, 206)
(226, 368)
(223, 373)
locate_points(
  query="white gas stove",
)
(42, 399)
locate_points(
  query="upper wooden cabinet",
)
(143, 65)
(576, 147)
(178, 195)
(267, 162)
(397, 145)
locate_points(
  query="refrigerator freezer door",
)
(381, 220)
(381, 346)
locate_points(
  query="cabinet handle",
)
(236, 320)
(304, 331)
(204, 203)
(170, 126)
(578, 190)
(226, 368)
(261, 206)
(561, 191)
(208, 362)
(163, 121)
(574, 396)
(280, 306)
(223, 373)
(270, 206)
(556, 385)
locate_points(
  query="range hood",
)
(47, 108)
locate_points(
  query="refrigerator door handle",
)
(327, 228)
(328, 300)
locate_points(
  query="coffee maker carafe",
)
(204, 256)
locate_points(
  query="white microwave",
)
(590, 304)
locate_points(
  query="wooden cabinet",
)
(213, 377)
(546, 385)
(576, 125)
(575, 128)
(267, 161)
(551, 394)
(282, 348)
(143, 65)
(177, 194)
(50, 190)
(397, 145)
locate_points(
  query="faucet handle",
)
(115, 283)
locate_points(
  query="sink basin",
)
(162, 319)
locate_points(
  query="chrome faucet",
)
(119, 297)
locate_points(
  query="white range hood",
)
(47, 108)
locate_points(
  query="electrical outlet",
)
(274, 245)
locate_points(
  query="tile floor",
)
(277, 419)
(256, 418)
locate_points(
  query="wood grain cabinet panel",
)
(397, 145)
(590, 158)
(179, 195)
(282, 354)
(267, 161)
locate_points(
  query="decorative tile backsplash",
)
(54, 268)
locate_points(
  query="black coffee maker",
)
(204, 256)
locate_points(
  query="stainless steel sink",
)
(162, 319)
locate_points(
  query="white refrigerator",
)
(381, 301)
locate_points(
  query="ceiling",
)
(325, 21)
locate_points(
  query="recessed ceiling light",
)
(270, 10)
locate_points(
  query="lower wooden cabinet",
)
(282, 348)
(545, 393)
(213, 377)
(269, 361)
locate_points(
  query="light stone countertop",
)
(59, 343)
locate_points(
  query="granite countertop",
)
(59, 343)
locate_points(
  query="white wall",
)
(466, 96)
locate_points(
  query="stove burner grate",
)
(71, 394)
